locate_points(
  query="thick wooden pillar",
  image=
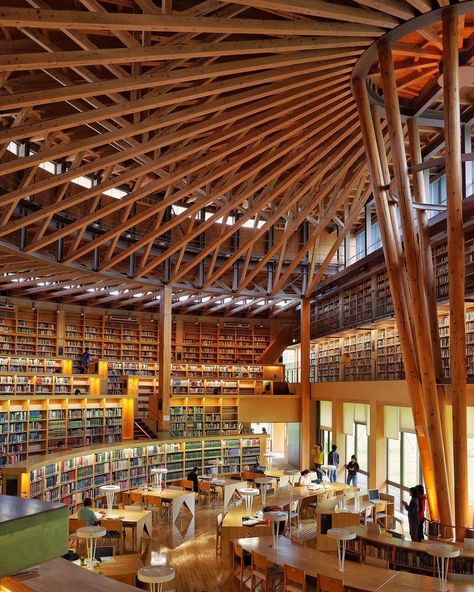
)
(419, 312)
(165, 351)
(425, 244)
(306, 426)
(457, 334)
(393, 262)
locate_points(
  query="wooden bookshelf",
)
(204, 416)
(28, 332)
(70, 476)
(30, 427)
(403, 554)
(376, 354)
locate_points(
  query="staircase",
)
(141, 431)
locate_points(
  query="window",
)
(359, 444)
(325, 439)
(403, 466)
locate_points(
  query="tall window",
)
(358, 444)
(403, 466)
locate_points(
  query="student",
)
(85, 359)
(304, 479)
(77, 392)
(257, 468)
(333, 459)
(193, 476)
(412, 509)
(264, 431)
(318, 459)
(86, 513)
(352, 470)
(420, 491)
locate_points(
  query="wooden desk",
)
(355, 576)
(336, 512)
(178, 499)
(228, 486)
(123, 569)
(408, 582)
(232, 529)
(138, 520)
(59, 575)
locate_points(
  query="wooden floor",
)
(190, 547)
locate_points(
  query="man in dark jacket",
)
(193, 476)
(333, 459)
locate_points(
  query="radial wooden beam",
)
(456, 268)
(93, 21)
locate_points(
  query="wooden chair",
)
(115, 532)
(74, 524)
(368, 560)
(294, 513)
(241, 563)
(156, 504)
(184, 484)
(135, 497)
(329, 584)
(219, 519)
(294, 579)
(208, 492)
(263, 574)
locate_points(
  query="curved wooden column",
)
(419, 311)
(380, 190)
(457, 330)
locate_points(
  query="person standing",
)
(333, 459)
(85, 360)
(412, 509)
(352, 470)
(420, 490)
(318, 459)
(193, 476)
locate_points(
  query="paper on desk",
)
(107, 560)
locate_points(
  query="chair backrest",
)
(329, 584)
(74, 524)
(204, 487)
(114, 525)
(373, 528)
(238, 550)
(293, 575)
(104, 552)
(184, 484)
(259, 562)
(152, 500)
(134, 508)
(368, 560)
(135, 497)
(469, 544)
(219, 519)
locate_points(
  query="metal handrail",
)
(142, 430)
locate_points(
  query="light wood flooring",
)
(191, 549)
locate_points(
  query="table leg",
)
(341, 553)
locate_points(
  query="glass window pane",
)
(393, 460)
(362, 444)
(410, 474)
(395, 491)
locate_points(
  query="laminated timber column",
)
(165, 350)
(425, 244)
(428, 276)
(305, 402)
(457, 331)
(422, 333)
(393, 262)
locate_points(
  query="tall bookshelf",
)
(70, 476)
(376, 354)
(30, 427)
(28, 332)
(369, 297)
(204, 416)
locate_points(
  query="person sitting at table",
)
(304, 479)
(193, 476)
(257, 468)
(86, 513)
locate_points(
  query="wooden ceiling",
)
(212, 146)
